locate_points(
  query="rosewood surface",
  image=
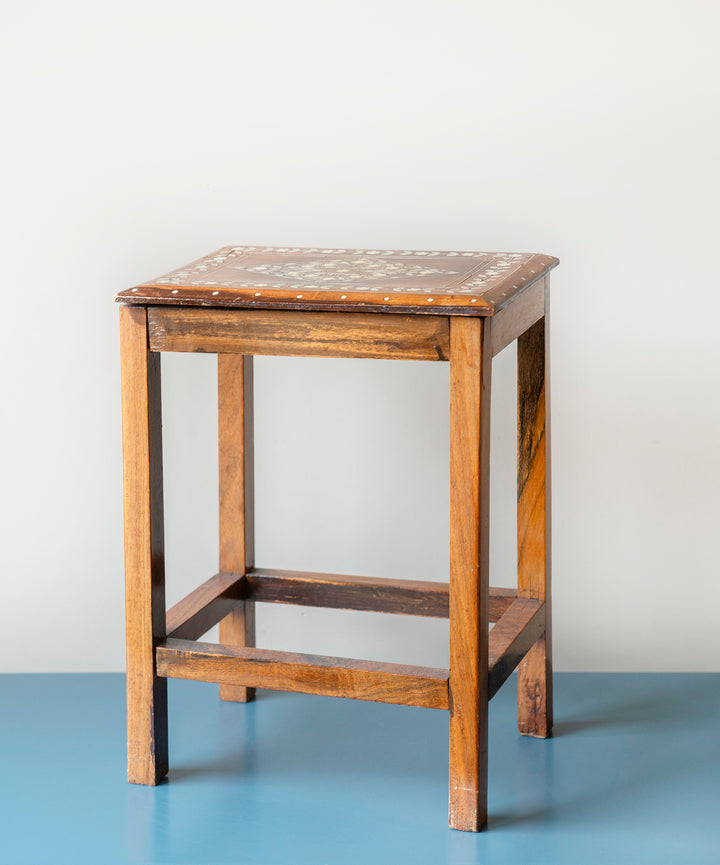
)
(271, 277)
(236, 516)
(470, 347)
(464, 307)
(535, 705)
(307, 334)
(147, 724)
(308, 674)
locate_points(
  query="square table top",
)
(352, 280)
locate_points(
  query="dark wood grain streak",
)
(307, 674)
(307, 334)
(535, 671)
(512, 638)
(205, 606)
(147, 739)
(470, 368)
(236, 499)
(377, 594)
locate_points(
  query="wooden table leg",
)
(470, 376)
(237, 524)
(535, 671)
(144, 550)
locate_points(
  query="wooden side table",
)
(461, 307)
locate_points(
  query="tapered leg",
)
(535, 671)
(144, 550)
(470, 368)
(237, 529)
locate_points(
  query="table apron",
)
(302, 334)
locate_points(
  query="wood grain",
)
(147, 741)
(205, 606)
(422, 282)
(307, 334)
(500, 296)
(307, 674)
(470, 377)
(237, 499)
(535, 672)
(515, 318)
(512, 638)
(376, 594)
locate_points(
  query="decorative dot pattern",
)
(357, 270)
(275, 276)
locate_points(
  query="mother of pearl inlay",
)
(345, 270)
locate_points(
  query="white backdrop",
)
(138, 136)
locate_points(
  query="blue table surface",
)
(632, 775)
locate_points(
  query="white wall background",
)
(138, 136)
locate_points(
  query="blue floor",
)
(631, 776)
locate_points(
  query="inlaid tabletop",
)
(272, 277)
